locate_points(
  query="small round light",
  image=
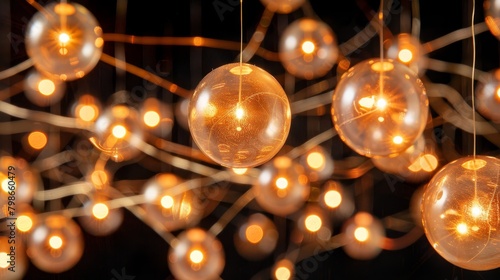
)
(100, 211)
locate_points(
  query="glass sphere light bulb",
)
(64, 40)
(460, 212)
(379, 108)
(239, 129)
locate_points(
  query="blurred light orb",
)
(363, 235)
(157, 117)
(170, 203)
(256, 238)
(408, 50)
(283, 6)
(43, 90)
(460, 212)
(492, 16)
(64, 40)
(56, 244)
(282, 186)
(380, 108)
(99, 219)
(86, 109)
(488, 96)
(239, 130)
(197, 254)
(116, 130)
(308, 48)
(318, 164)
(283, 269)
(314, 224)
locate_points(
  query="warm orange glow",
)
(308, 47)
(167, 202)
(151, 118)
(87, 113)
(333, 198)
(361, 234)
(476, 211)
(240, 113)
(313, 223)
(405, 55)
(5, 185)
(315, 160)
(100, 211)
(24, 223)
(382, 66)
(196, 256)
(55, 242)
(119, 131)
(367, 102)
(254, 234)
(381, 104)
(37, 140)
(281, 183)
(46, 87)
(282, 273)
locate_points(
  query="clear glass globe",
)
(239, 130)
(23, 185)
(56, 244)
(380, 108)
(12, 259)
(171, 203)
(492, 16)
(363, 235)
(64, 40)
(282, 187)
(308, 48)
(488, 96)
(283, 6)
(115, 131)
(460, 212)
(196, 254)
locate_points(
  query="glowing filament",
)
(196, 256)
(119, 131)
(240, 171)
(381, 104)
(367, 102)
(397, 140)
(100, 211)
(46, 87)
(151, 118)
(64, 38)
(476, 211)
(313, 223)
(55, 242)
(462, 228)
(315, 160)
(167, 202)
(254, 234)
(24, 223)
(361, 234)
(281, 183)
(405, 55)
(239, 113)
(308, 47)
(333, 198)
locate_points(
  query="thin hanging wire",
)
(241, 52)
(473, 79)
